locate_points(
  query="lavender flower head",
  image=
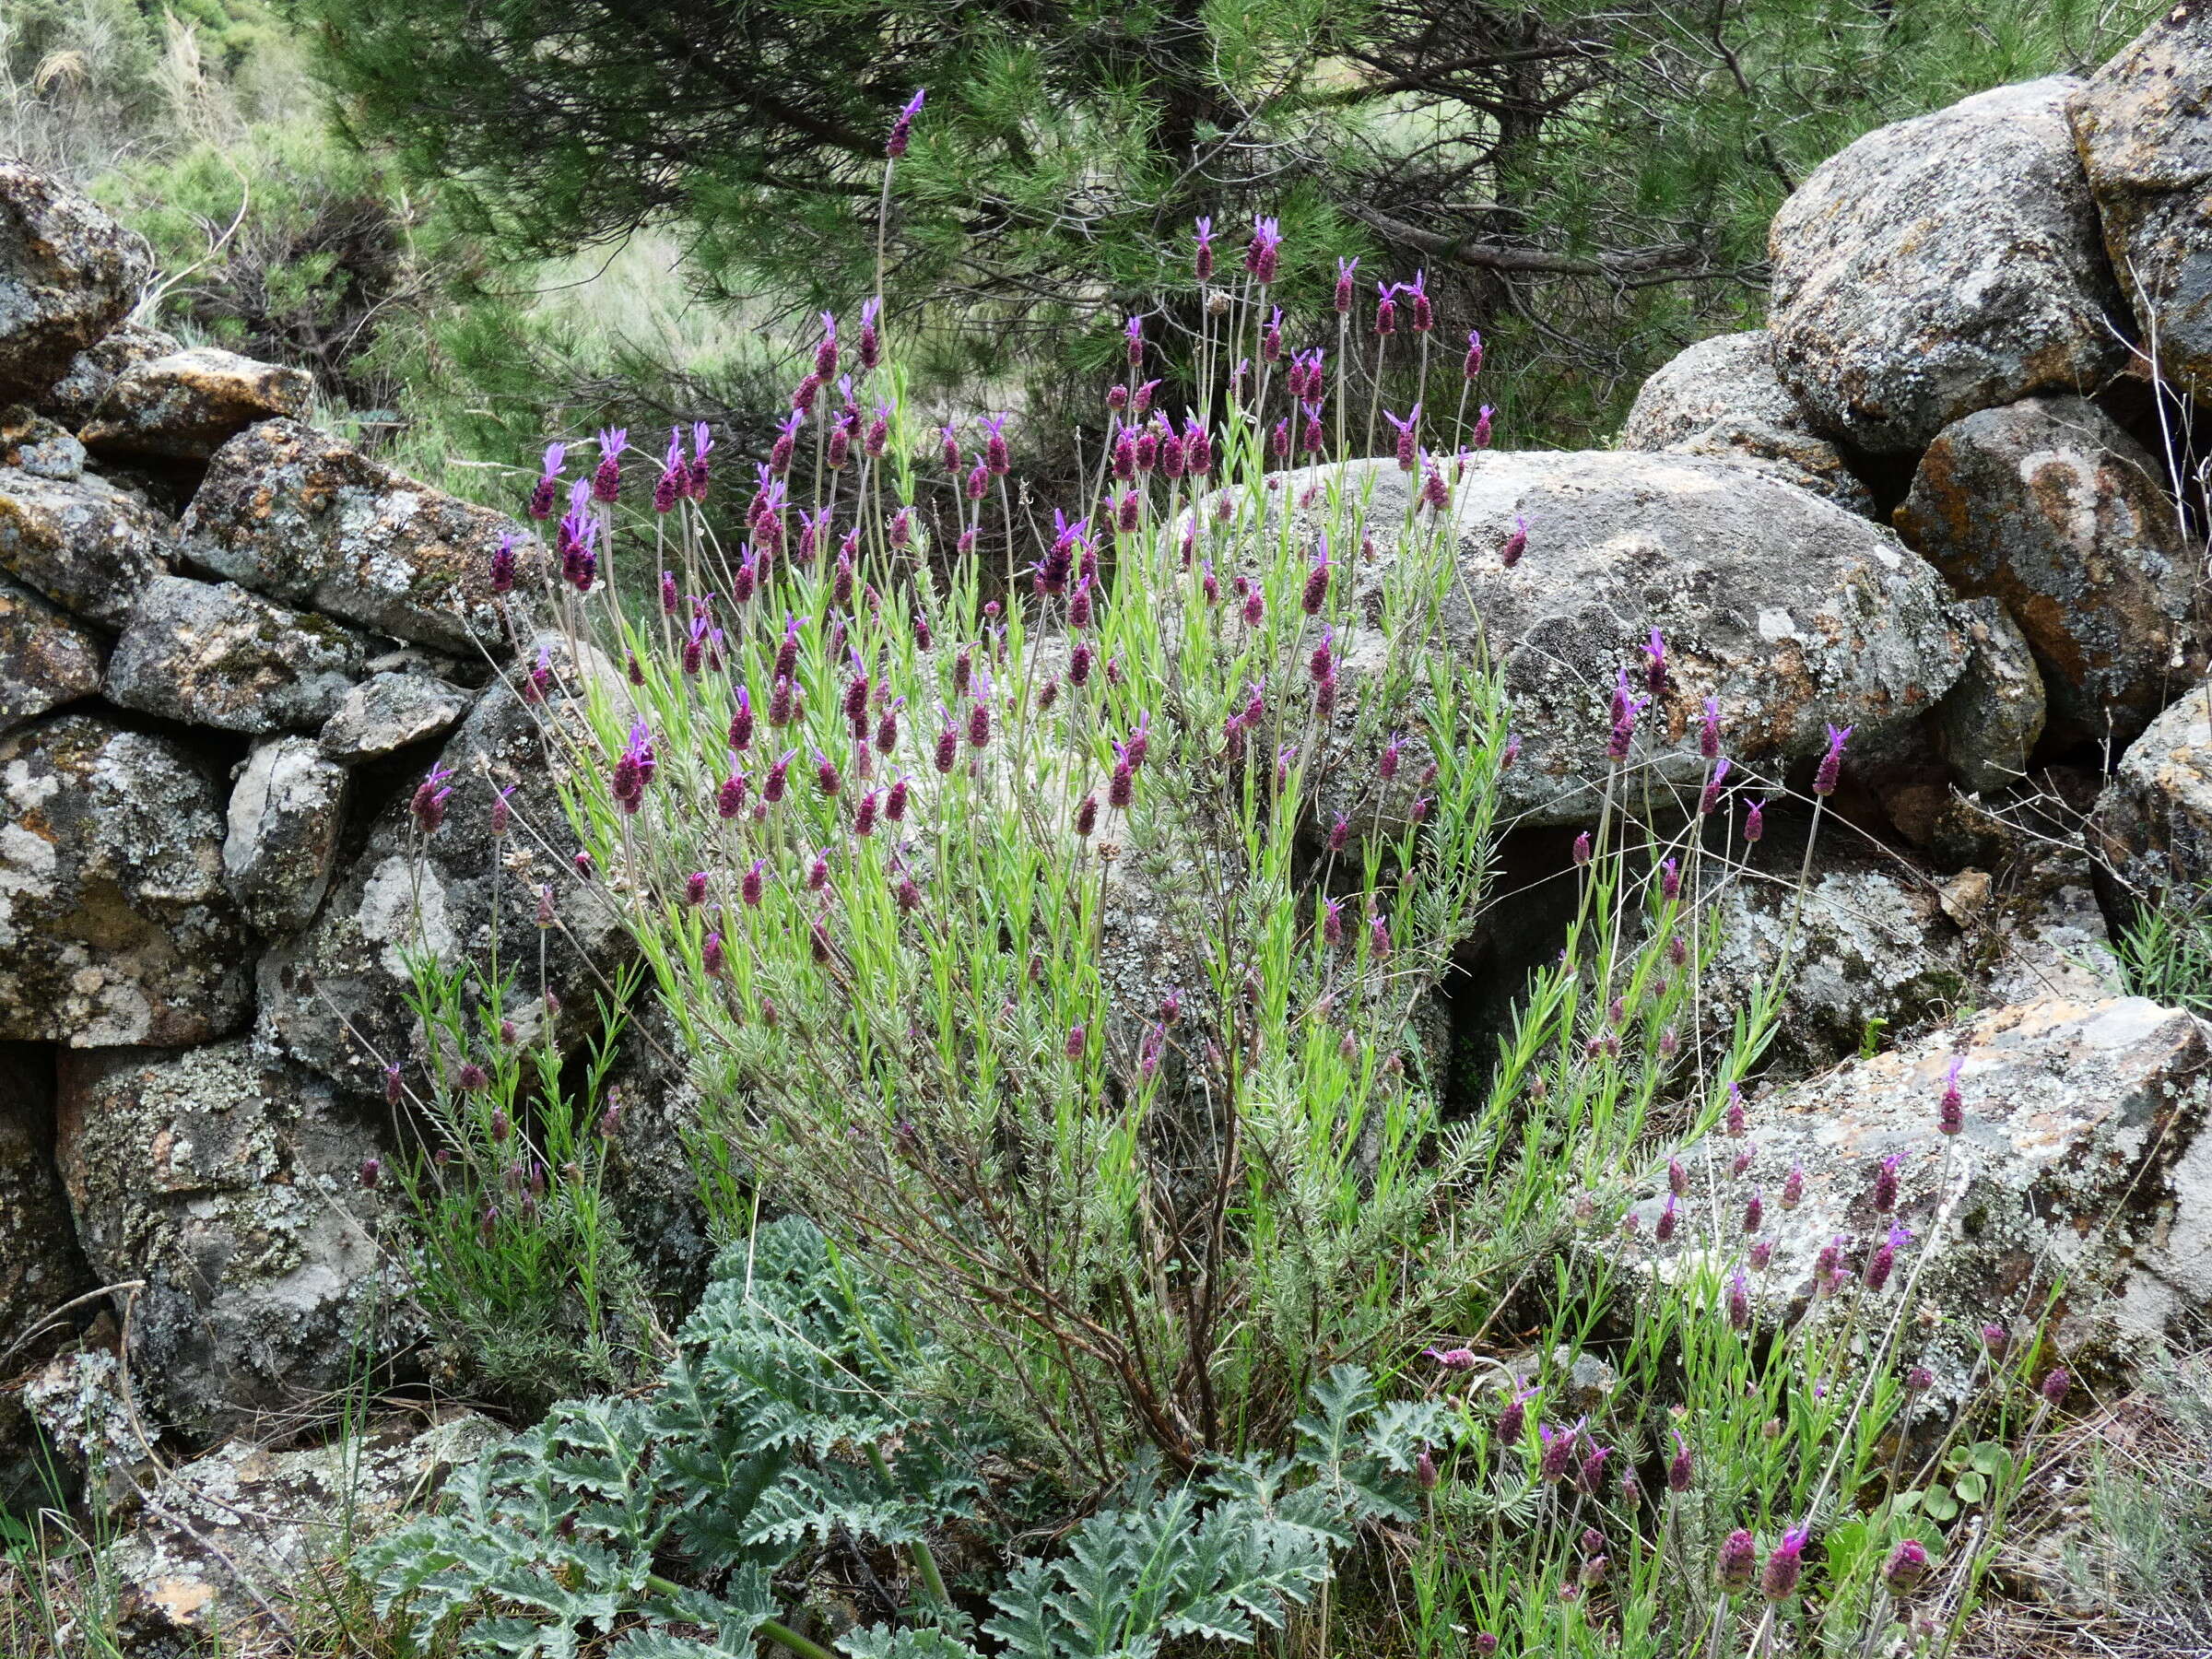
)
(1263, 255)
(430, 796)
(1201, 258)
(1905, 1568)
(902, 128)
(606, 478)
(1831, 764)
(546, 494)
(1739, 1562)
(1950, 1113)
(1654, 669)
(1785, 1566)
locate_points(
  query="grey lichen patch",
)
(217, 655)
(81, 542)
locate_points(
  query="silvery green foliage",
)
(779, 1423)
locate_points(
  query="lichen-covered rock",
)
(353, 957)
(1723, 397)
(2084, 1157)
(216, 655)
(67, 274)
(1940, 265)
(77, 393)
(186, 406)
(1787, 609)
(115, 927)
(236, 1534)
(46, 660)
(294, 514)
(86, 545)
(388, 712)
(651, 1105)
(286, 810)
(41, 1267)
(1992, 718)
(2143, 125)
(39, 446)
(2048, 506)
(2153, 824)
(230, 1184)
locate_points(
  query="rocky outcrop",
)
(2143, 125)
(95, 369)
(1942, 265)
(187, 404)
(336, 996)
(389, 712)
(2083, 1158)
(294, 514)
(115, 927)
(231, 1186)
(86, 545)
(1723, 397)
(2153, 824)
(1791, 612)
(232, 1538)
(287, 812)
(215, 655)
(2049, 507)
(67, 274)
(46, 659)
(1992, 718)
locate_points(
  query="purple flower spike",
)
(1682, 1472)
(1473, 366)
(1654, 671)
(1407, 443)
(1481, 436)
(1708, 733)
(502, 566)
(430, 799)
(1739, 1303)
(1202, 257)
(1785, 1566)
(1263, 255)
(1739, 1561)
(1346, 270)
(2056, 1386)
(1950, 1113)
(1386, 312)
(1754, 821)
(606, 478)
(1831, 763)
(546, 494)
(903, 127)
(1907, 1566)
(1515, 545)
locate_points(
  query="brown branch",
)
(1497, 256)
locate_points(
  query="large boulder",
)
(1941, 266)
(388, 712)
(232, 1185)
(2084, 1170)
(1791, 612)
(336, 996)
(214, 654)
(95, 369)
(2153, 824)
(67, 275)
(115, 927)
(1992, 720)
(1723, 397)
(2143, 125)
(46, 659)
(186, 406)
(2048, 506)
(286, 810)
(240, 1534)
(294, 514)
(86, 545)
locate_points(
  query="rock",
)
(1723, 397)
(2050, 507)
(40, 1267)
(2084, 1158)
(115, 927)
(287, 809)
(390, 710)
(186, 406)
(216, 655)
(294, 514)
(1941, 266)
(84, 1422)
(67, 274)
(352, 956)
(46, 660)
(2143, 126)
(94, 370)
(2153, 824)
(1789, 610)
(1992, 718)
(241, 1532)
(86, 545)
(39, 446)
(230, 1184)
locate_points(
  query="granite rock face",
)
(1992, 718)
(46, 659)
(1793, 613)
(86, 545)
(382, 906)
(216, 655)
(187, 404)
(1940, 265)
(232, 1185)
(115, 927)
(294, 514)
(390, 710)
(2048, 506)
(287, 811)
(2143, 125)
(67, 274)
(2084, 1153)
(1723, 397)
